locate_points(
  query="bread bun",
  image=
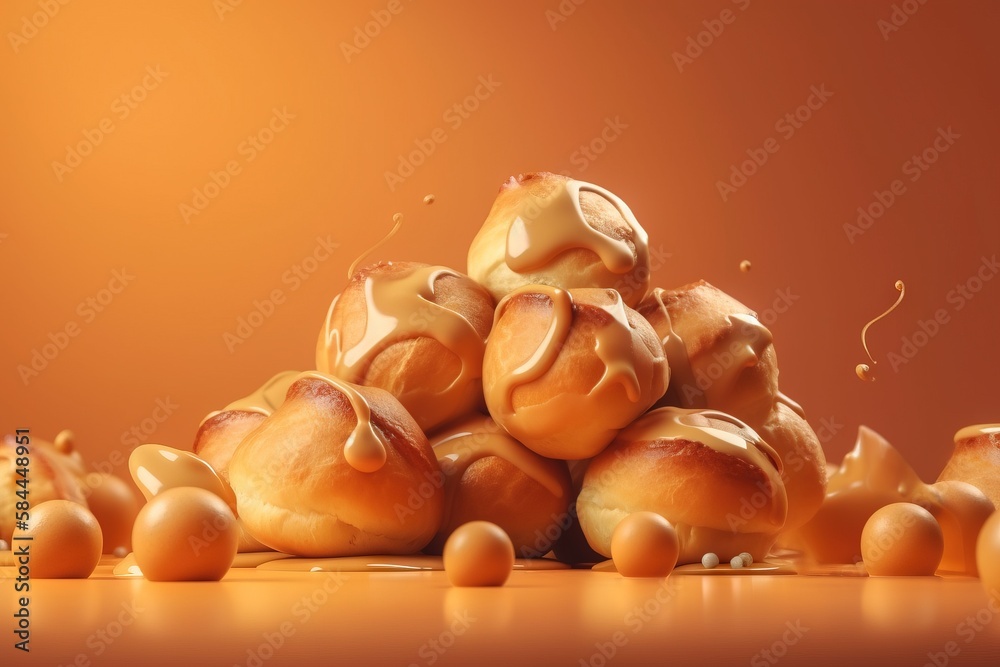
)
(52, 475)
(976, 460)
(721, 357)
(553, 230)
(415, 330)
(804, 463)
(565, 370)
(221, 431)
(707, 473)
(334, 471)
(490, 476)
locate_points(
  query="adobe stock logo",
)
(787, 125)
(30, 25)
(121, 108)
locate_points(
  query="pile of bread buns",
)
(549, 390)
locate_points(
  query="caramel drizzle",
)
(268, 397)
(976, 431)
(673, 346)
(546, 227)
(613, 344)
(612, 341)
(401, 308)
(366, 447)
(546, 353)
(467, 444)
(157, 468)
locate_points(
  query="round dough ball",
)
(115, 506)
(185, 534)
(644, 544)
(478, 553)
(66, 540)
(988, 555)
(902, 539)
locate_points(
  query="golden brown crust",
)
(712, 373)
(490, 476)
(716, 501)
(494, 489)
(976, 461)
(298, 494)
(805, 471)
(220, 434)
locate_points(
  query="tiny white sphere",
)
(746, 558)
(736, 563)
(709, 560)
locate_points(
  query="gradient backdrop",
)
(165, 167)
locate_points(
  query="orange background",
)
(324, 174)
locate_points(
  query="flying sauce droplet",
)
(864, 371)
(397, 219)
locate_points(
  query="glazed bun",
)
(721, 356)
(490, 476)
(414, 330)
(565, 370)
(332, 472)
(553, 230)
(706, 472)
(976, 460)
(222, 431)
(805, 472)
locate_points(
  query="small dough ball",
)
(66, 540)
(644, 544)
(988, 555)
(961, 513)
(185, 534)
(114, 505)
(478, 553)
(902, 539)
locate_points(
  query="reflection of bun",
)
(333, 472)
(565, 370)
(722, 357)
(707, 473)
(221, 431)
(553, 230)
(490, 476)
(415, 330)
(976, 460)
